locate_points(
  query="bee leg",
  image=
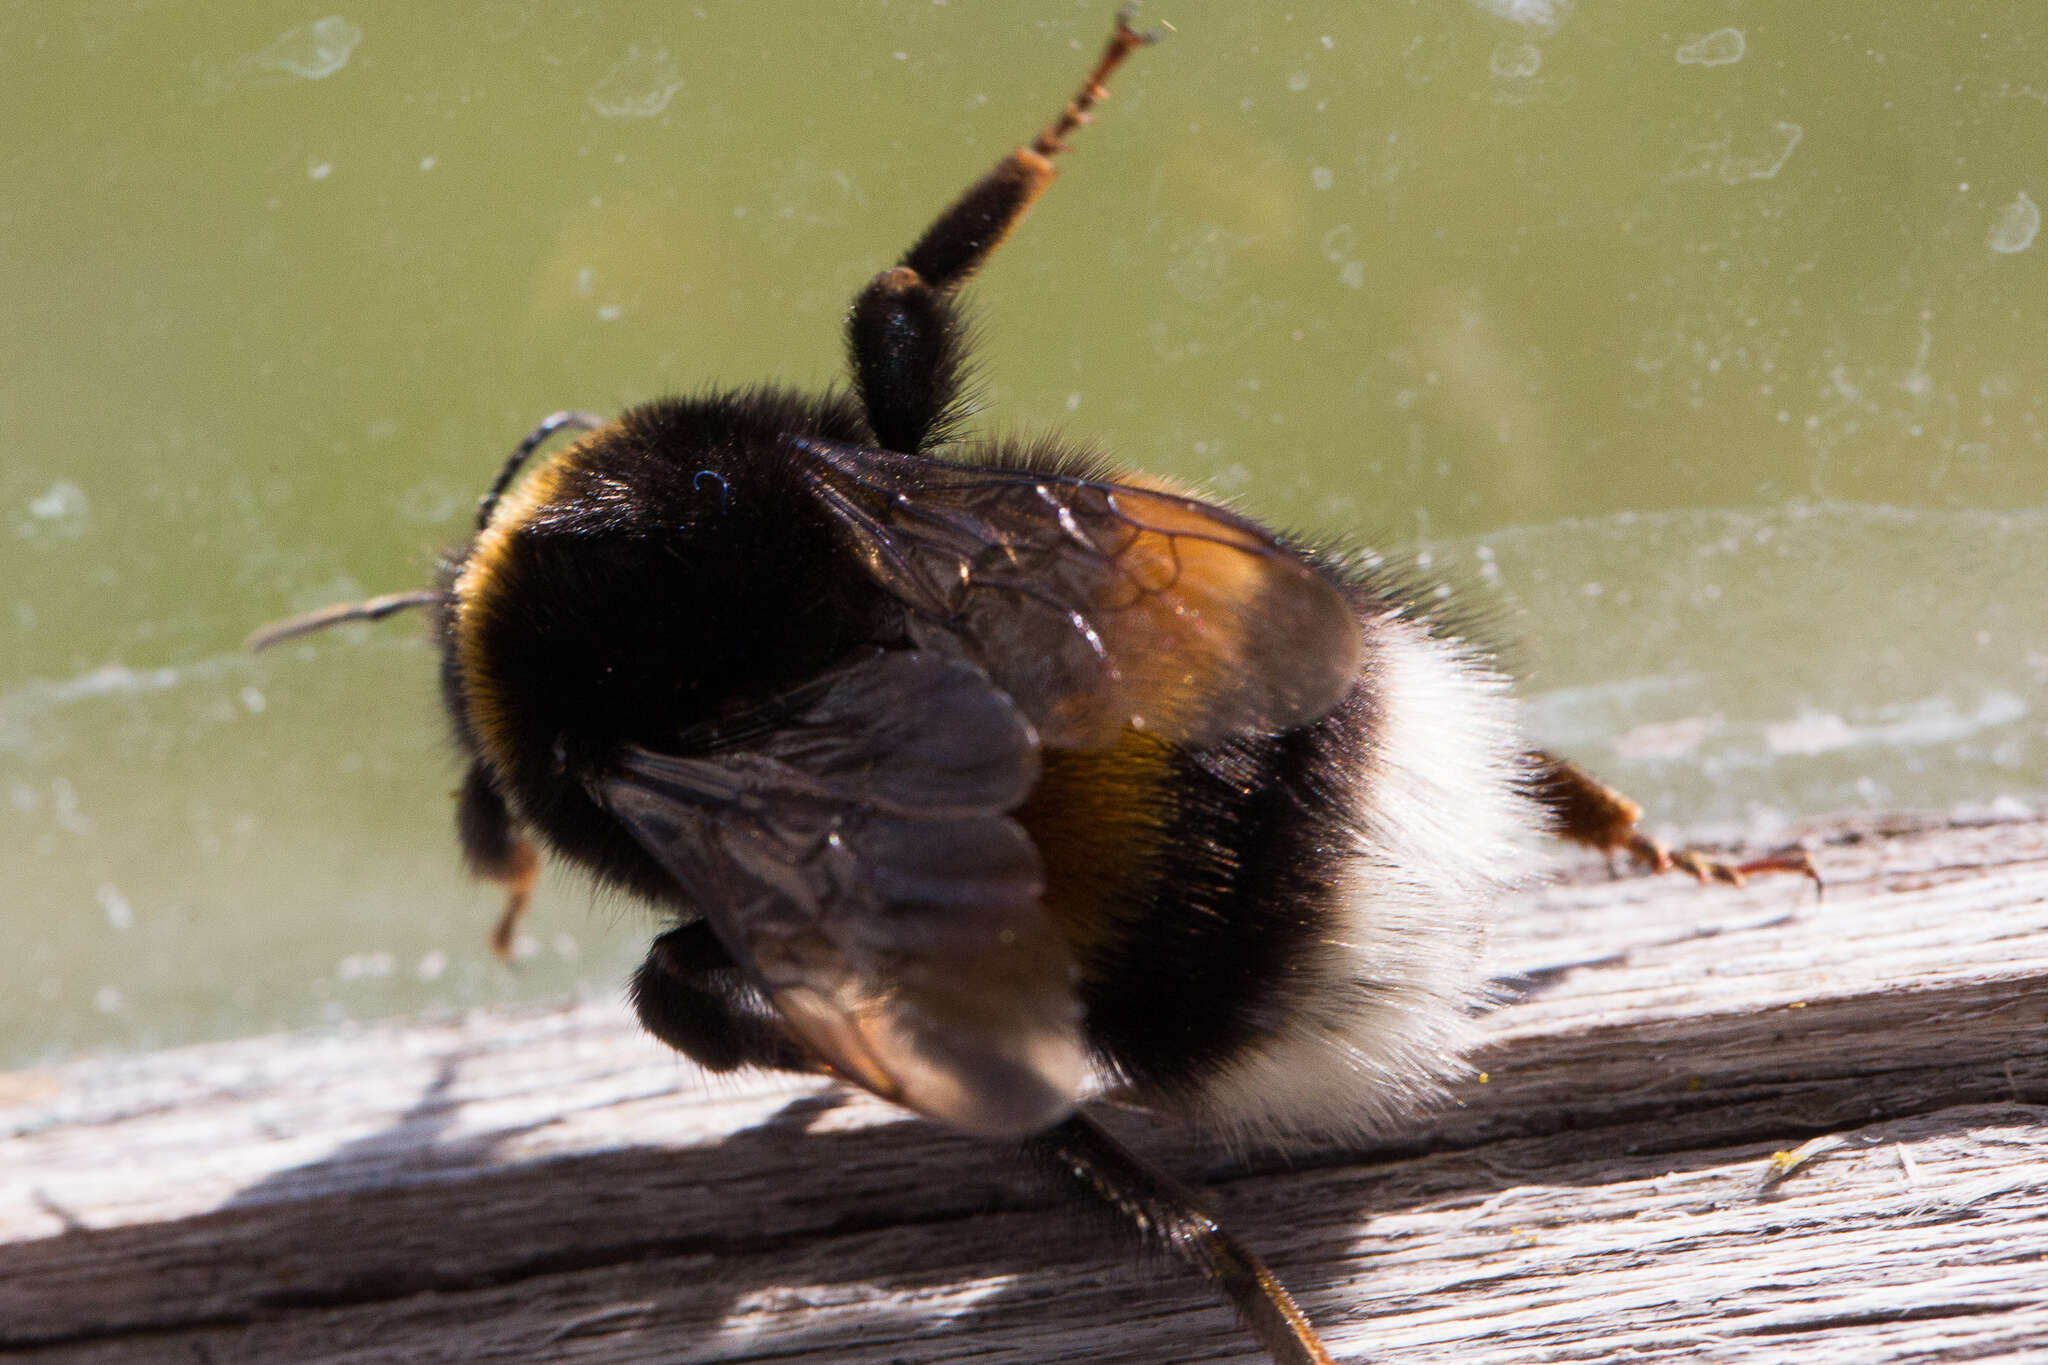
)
(690, 994)
(1169, 1215)
(494, 850)
(974, 225)
(1587, 811)
(908, 348)
(907, 343)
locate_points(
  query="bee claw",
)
(1126, 14)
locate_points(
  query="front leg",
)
(907, 342)
(495, 850)
(1585, 810)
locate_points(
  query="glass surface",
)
(1700, 345)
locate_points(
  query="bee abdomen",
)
(1281, 934)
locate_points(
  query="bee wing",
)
(858, 859)
(1098, 605)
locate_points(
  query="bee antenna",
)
(549, 425)
(376, 609)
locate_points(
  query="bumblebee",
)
(983, 774)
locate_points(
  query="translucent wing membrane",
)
(1097, 605)
(856, 856)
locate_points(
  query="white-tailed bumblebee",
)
(985, 775)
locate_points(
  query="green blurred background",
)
(1700, 343)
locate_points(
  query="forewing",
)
(1098, 605)
(859, 860)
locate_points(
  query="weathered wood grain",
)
(548, 1185)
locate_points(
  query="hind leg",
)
(1585, 810)
(905, 337)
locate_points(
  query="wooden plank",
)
(549, 1185)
